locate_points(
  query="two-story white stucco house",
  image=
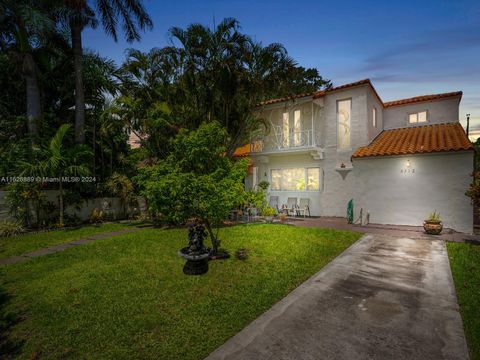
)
(397, 160)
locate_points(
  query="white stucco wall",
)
(438, 111)
(338, 189)
(110, 205)
(438, 183)
(376, 184)
(374, 102)
(359, 116)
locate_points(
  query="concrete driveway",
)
(384, 298)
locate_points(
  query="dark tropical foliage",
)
(215, 76)
(77, 15)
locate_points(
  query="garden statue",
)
(195, 253)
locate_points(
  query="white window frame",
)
(305, 174)
(374, 117)
(286, 129)
(271, 179)
(416, 113)
(349, 148)
(320, 178)
(297, 127)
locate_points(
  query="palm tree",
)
(59, 162)
(24, 26)
(225, 74)
(79, 15)
(122, 187)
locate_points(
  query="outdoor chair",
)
(274, 202)
(292, 206)
(304, 207)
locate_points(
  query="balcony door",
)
(292, 134)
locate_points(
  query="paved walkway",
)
(384, 298)
(414, 232)
(60, 247)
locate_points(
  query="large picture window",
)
(293, 179)
(296, 179)
(276, 180)
(343, 123)
(313, 179)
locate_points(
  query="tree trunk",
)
(79, 93)
(102, 159)
(60, 199)
(34, 111)
(213, 238)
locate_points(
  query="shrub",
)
(10, 228)
(263, 185)
(97, 216)
(255, 199)
(268, 211)
(121, 186)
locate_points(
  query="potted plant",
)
(433, 225)
(268, 213)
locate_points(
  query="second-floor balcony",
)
(286, 142)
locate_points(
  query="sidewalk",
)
(60, 247)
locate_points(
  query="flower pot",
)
(432, 227)
(268, 219)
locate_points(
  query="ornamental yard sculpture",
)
(195, 253)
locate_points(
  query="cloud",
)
(443, 55)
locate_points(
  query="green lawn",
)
(465, 265)
(18, 245)
(127, 298)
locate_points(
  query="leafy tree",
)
(473, 191)
(298, 80)
(223, 74)
(120, 186)
(79, 14)
(195, 180)
(58, 162)
(206, 74)
(24, 26)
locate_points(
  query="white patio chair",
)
(292, 206)
(304, 207)
(274, 202)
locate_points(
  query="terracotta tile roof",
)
(422, 98)
(286, 98)
(242, 151)
(417, 140)
(321, 93)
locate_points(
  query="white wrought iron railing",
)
(282, 142)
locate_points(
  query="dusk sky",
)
(406, 48)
